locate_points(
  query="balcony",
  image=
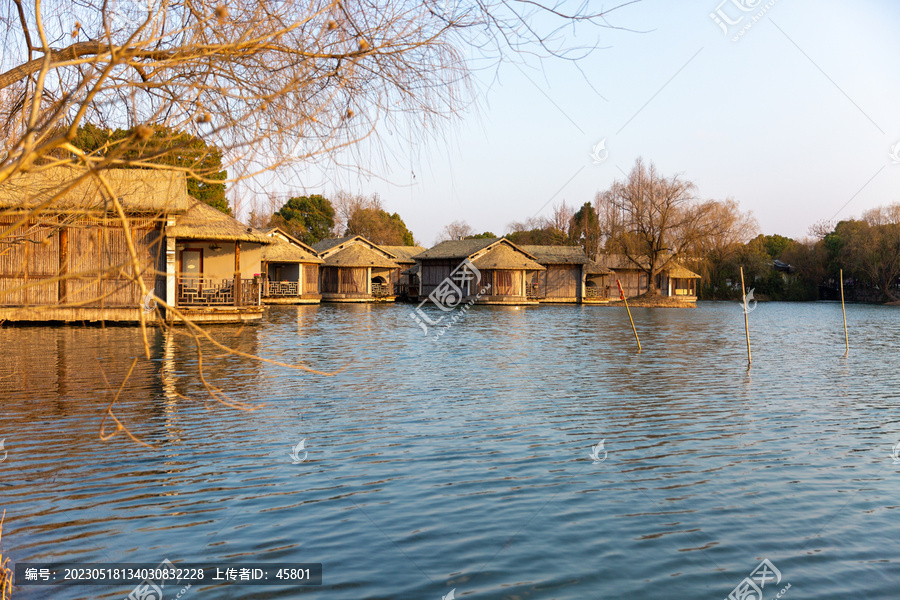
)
(208, 292)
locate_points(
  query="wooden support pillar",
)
(63, 268)
(237, 273)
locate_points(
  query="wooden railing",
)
(380, 290)
(593, 291)
(280, 289)
(204, 291)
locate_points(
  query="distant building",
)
(675, 280)
(65, 252)
(408, 282)
(290, 270)
(563, 281)
(356, 270)
(504, 270)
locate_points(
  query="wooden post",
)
(844, 310)
(63, 263)
(633, 328)
(746, 319)
(237, 273)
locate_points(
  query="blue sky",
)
(796, 120)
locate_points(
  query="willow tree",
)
(652, 219)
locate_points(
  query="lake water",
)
(462, 463)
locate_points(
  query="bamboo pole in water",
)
(633, 328)
(844, 310)
(746, 319)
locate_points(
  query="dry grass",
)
(5, 573)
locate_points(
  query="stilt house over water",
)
(356, 270)
(501, 268)
(64, 250)
(675, 280)
(290, 270)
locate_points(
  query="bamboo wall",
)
(311, 279)
(29, 255)
(432, 273)
(560, 281)
(97, 264)
(345, 280)
(633, 282)
(503, 282)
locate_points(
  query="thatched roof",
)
(286, 252)
(492, 253)
(680, 272)
(457, 248)
(557, 255)
(404, 254)
(326, 245)
(203, 222)
(359, 255)
(282, 235)
(503, 256)
(595, 268)
(620, 262)
(141, 191)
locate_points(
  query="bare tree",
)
(456, 230)
(651, 219)
(883, 215)
(347, 204)
(560, 222)
(722, 233)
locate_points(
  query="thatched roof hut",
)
(502, 268)
(357, 270)
(673, 280)
(290, 270)
(175, 237)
